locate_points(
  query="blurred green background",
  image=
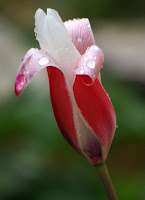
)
(35, 161)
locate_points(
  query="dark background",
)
(35, 161)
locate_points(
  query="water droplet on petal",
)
(108, 96)
(36, 35)
(22, 83)
(88, 25)
(116, 126)
(91, 64)
(85, 58)
(88, 52)
(82, 71)
(69, 21)
(79, 39)
(43, 61)
(96, 48)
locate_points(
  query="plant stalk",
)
(105, 179)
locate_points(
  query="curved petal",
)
(97, 110)
(81, 33)
(90, 64)
(33, 62)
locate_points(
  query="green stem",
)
(105, 179)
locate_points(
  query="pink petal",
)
(90, 64)
(33, 62)
(81, 33)
(98, 111)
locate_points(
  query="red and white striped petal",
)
(97, 109)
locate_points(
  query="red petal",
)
(62, 106)
(97, 109)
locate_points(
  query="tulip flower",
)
(82, 108)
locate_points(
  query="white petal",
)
(54, 39)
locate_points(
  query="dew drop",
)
(36, 35)
(91, 64)
(88, 25)
(22, 83)
(79, 39)
(82, 71)
(85, 58)
(116, 126)
(108, 96)
(96, 48)
(35, 32)
(43, 61)
(68, 21)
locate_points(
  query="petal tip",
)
(19, 86)
(18, 89)
(39, 14)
